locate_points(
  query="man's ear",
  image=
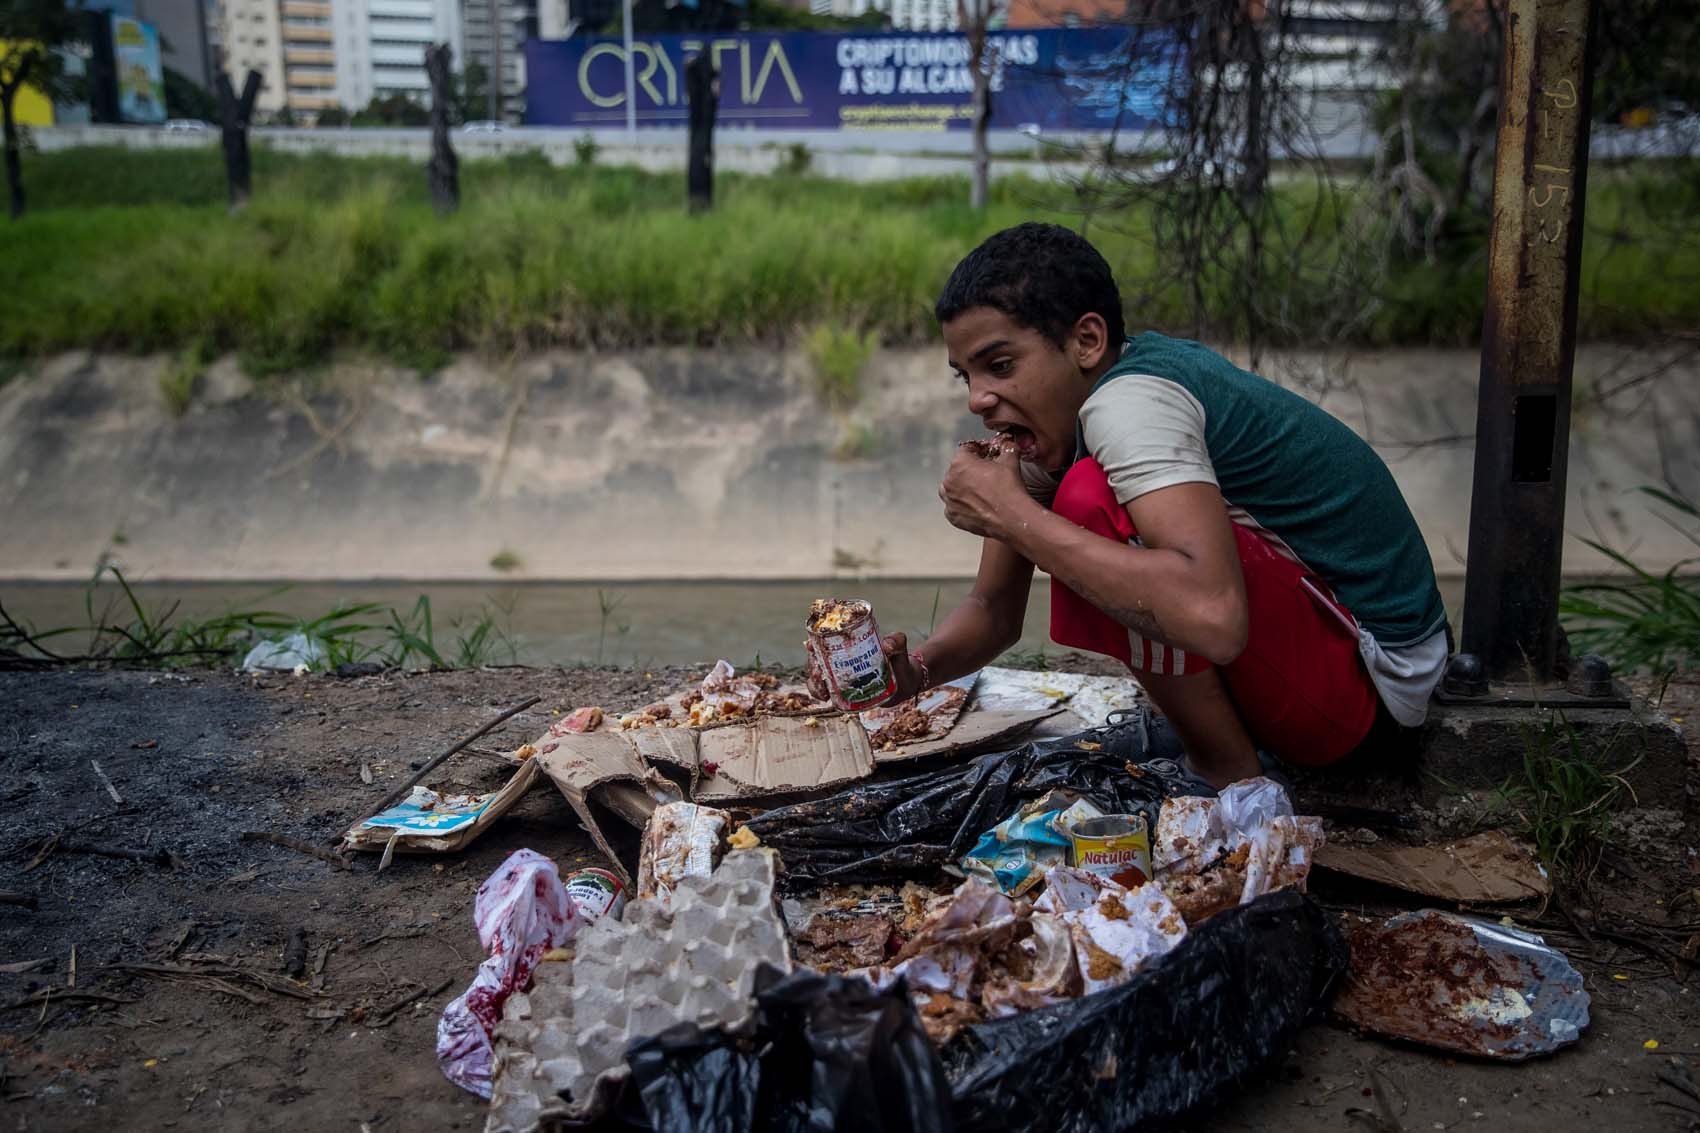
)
(1089, 341)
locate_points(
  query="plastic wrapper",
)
(878, 831)
(1186, 1030)
(681, 840)
(829, 1052)
(522, 911)
(1015, 853)
(1210, 854)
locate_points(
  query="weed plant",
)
(1644, 621)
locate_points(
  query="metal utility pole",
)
(495, 61)
(631, 81)
(1528, 341)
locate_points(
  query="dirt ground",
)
(197, 759)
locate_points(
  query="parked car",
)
(484, 126)
(186, 125)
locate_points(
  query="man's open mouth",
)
(1025, 442)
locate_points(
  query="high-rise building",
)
(513, 18)
(250, 38)
(315, 54)
(381, 46)
(309, 56)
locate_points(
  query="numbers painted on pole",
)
(1550, 184)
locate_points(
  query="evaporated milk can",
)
(846, 643)
(597, 893)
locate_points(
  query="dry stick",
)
(297, 845)
(107, 783)
(400, 792)
(160, 856)
(11, 897)
(60, 995)
(384, 1014)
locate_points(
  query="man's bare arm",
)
(1183, 587)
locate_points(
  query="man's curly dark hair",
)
(1043, 276)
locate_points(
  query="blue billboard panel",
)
(1055, 78)
(141, 78)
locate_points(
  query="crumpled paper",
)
(1015, 853)
(522, 911)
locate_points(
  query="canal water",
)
(621, 623)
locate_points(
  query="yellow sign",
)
(32, 107)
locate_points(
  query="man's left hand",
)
(982, 494)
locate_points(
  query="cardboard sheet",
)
(579, 765)
(1483, 869)
(781, 755)
(975, 729)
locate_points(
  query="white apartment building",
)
(314, 54)
(381, 46)
(250, 38)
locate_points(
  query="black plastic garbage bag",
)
(828, 1053)
(1182, 1033)
(880, 830)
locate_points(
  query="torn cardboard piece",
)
(975, 730)
(781, 755)
(580, 766)
(1483, 869)
(426, 822)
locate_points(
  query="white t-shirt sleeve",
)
(1147, 433)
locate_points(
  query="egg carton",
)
(560, 1049)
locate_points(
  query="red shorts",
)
(1300, 685)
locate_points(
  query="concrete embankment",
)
(671, 464)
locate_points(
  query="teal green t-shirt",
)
(1293, 469)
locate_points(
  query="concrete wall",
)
(662, 464)
(655, 150)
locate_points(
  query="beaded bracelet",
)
(926, 678)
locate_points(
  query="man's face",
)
(1019, 382)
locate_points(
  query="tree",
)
(443, 170)
(472, 93)
(30, 30)
(235, 112)
(331, 116)
(183, 99)
(974, 16)
(393, 110)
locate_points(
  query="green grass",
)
(133, 250)
(1642, 621)
(1563, 799)
(839, 356)
(125, 631)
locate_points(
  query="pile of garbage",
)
(573, 1004)
(981, 954)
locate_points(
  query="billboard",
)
(1054, 78)
(140, 77)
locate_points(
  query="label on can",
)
(1116, 846)
(597, 893)
(847, 643)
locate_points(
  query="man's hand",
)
(982, 494)
(896, 649)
